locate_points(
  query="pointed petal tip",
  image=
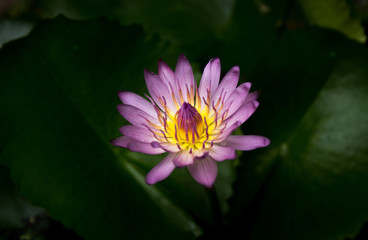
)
(148, 73)
(145, 71)
(208, 185)
(246, 142)
(119, 142)
(122, 95)
(161, 63)
(153, 178)
(266, 142)
(122, 130)
(244, 87)
(161, 171)
(119, 107)
(236, 69)
(182, 58)
(215, 60)
(149, 180)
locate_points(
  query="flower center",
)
(189, 122)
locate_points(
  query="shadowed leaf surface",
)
(311, 181)
(58, 115)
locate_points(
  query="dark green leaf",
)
(253, 28)
(192, 24)
(14, 210)
(58, 102)
(236, 31)
(333, 14)
(310, 183)
(12, 29)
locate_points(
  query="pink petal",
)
(227, 85)
(227, 132)
(251, 97)
(121, 141)
(168, 147)
(210, 78)
(166, 74)
(236, 99)
(168, 77)
(161, 170)
(136, 116)
(137, 133)
(220, 153)
(137, 101)
(204, 171)
(242, 114)
(146, 148)
(158, 91)
(184, 77)
(135, 146)
(183, 159)
(245, 143)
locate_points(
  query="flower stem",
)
(215, 207)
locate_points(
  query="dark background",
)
(62, 63)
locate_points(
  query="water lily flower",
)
(193, 124)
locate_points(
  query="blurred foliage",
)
(14, 210)
(58, 100)
(334, 14)
(317, 121)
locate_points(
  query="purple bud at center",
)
(189, 120)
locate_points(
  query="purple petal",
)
(158, 91)
(242, 114)
(236, 99)
(166, 74)
(220, 153)
(183, 159)
(227, 85)
(146, 148)
(168, 147)
(135, 146)
(251, 97)
(138, 133)
(245, 143)
(210, 78)
(136, 116)
(227, 132)
(204, 171)
(121, 141)
(137, 101)
(161, 170)
(168, 77)
(184, 76)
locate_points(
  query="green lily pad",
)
(310, 183)
(14, 209)
(58, 101)
(333, 14)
